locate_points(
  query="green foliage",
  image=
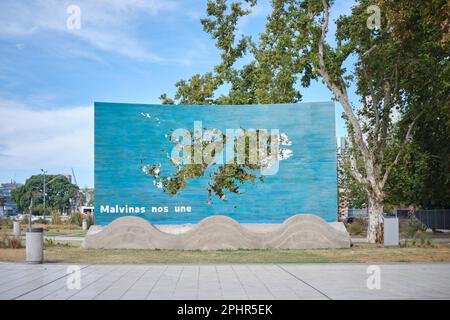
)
(225, 177)
(422, 176)
(50, 242)
(350, 191)
(419, 239)
(75, 218)
(357, 227)
(56, 217)
(401, 67)
(59, 191)
(410, 226)
(89, 221)
(25, 220)
(428, 160)
(6, 224)
(41, 221)
(272, 75)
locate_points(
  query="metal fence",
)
(434, 219)
(352, 213)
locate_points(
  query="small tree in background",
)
(59, 192)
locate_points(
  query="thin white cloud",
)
(105, 25)
(31, 139)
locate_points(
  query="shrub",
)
(358, 226)
(24, 220)
(89, 221)
(6, 224)
(420, 239)
(410, 227)
(3, 240)
(56, 217)
(7, 241)
(75, 218)
(40, 221)
(50, 242)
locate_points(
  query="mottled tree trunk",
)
(375, 228)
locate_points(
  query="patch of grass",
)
(420, 239)
(49, 242)
(62, 226)
(65, 233)
(62, 229)
(70, 252)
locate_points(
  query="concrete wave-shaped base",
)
(303, 231)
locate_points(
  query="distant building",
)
(88, 196)
(342, 145)
(9, 207)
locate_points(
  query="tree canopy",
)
(59, 191)
(398, 65)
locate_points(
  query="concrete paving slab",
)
(253, 281)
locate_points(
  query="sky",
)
(123, 51)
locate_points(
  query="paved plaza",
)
(239, 281)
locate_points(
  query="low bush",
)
(6, 224)
(75, 218)
(10, 242)
(41, 221)
(56, 218)
(410, 226)
(50, 242)
(357, 227)
(24, 221)
(420, 239)
(90, 221)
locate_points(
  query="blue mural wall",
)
(130, 136)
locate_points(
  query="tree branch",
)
(338, 92)
(341, 95)
(374, 104)
(354, 170)
(369, 51)
(387, 107)
(400, 151)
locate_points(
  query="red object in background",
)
(85, 211)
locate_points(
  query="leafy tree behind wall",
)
(400, 66)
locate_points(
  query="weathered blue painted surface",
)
(127, 135)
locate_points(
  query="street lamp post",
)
(44, 172)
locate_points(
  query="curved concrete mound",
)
(303, 231)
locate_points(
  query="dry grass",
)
(62, 226)
(68, 230)
(70, 252)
